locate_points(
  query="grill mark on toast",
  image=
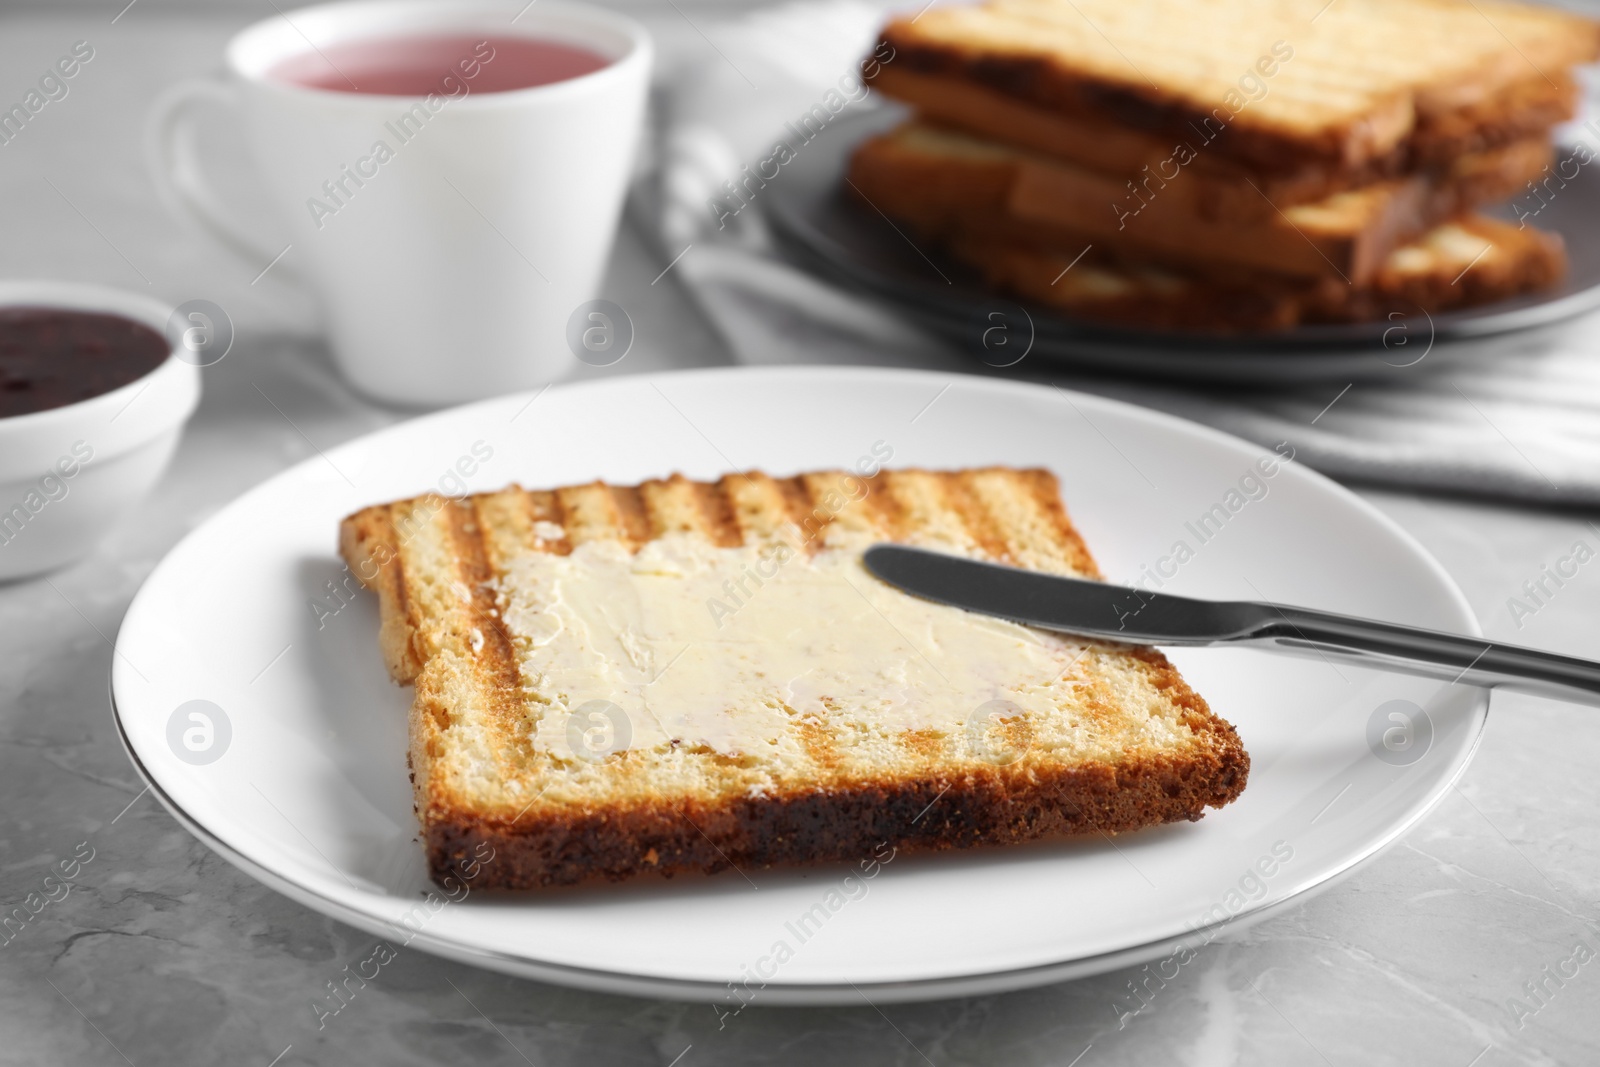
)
(835, 497)
(719, 516)
(927, 509)
(797, 506)
(425, 549)
(409, 651)
(1025, 506)
(631, 513)
(759, 506)
(1047, 496)
(396, 566)
(414, 529)
(976, 517)
(545, 506)
(590, 513)
(495, 668)
(367, 543)
(889, 515)
(376, 537)
(505, 523)
(672, 506)
(503, 527)
(813, 516)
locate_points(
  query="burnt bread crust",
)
(627, 817)
(846, 822)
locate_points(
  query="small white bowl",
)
(66, 474)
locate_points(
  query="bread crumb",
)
(651, 858)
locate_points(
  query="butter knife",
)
(1139, 616)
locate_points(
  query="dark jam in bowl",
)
(52, 357)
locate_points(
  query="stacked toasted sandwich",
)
(1229, 164)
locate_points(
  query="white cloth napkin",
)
(1515, 417)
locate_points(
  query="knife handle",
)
(1413, 650)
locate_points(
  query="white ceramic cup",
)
(447, 271)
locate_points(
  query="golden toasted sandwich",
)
(1468, 261)
(944, 183)
(1278, 85)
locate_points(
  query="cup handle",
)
(173, 160)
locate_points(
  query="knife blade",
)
(1140, 616)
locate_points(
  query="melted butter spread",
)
(729, 648)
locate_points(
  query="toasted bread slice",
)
(941, 181)
(1280, 85)
(483, 602)
(1220, 188)
(1472, 260)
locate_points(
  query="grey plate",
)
(828, 231)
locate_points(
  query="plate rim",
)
(775, 994)
(805, 993)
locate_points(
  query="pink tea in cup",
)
(437, 63)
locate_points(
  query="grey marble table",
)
(165, 954)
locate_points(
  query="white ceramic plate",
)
(308, 789)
